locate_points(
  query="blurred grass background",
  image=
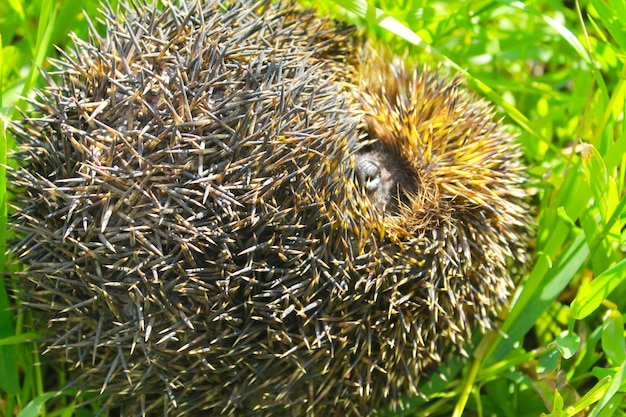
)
(556, 71)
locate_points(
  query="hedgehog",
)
(238, 208)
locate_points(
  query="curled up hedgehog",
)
(223, 209)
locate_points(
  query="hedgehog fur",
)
(222, 209)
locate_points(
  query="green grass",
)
(556, 72)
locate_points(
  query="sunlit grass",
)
(557, 75)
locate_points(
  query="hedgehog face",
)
(436, 154)
(382, 176)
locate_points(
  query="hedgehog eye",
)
(374, 171)
(368, 174)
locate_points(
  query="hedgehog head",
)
(434, 153)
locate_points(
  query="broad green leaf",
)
(592, 396)
(33, 408)
(613, 343)
(17, 339)
(613, 22)
(591, 294)
(567, 344)
(557, 404)
(548, 362)
(601, 256)
(596, 175)
(534, 300)
(613, 406)
(613, 388)
(9, 380)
